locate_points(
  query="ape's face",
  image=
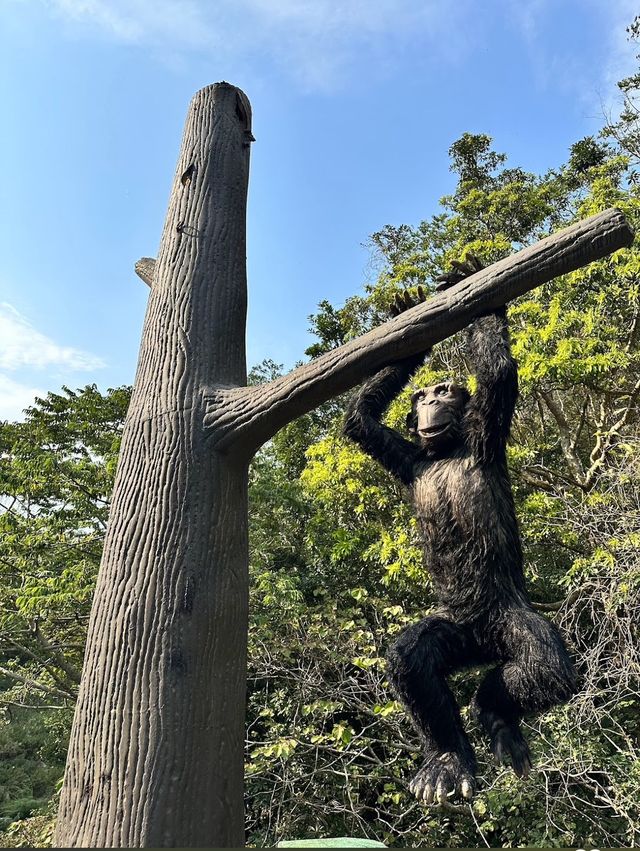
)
(436, 413)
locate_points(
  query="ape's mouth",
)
(431, 431)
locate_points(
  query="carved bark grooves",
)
(156, 750)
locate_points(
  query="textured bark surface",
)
(156, 751)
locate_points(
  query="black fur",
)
(461, 490)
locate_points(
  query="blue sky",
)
(355, 106)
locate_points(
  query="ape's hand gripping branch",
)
(240, 419)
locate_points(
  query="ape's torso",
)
(471, 541)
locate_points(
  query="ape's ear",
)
(412, 417)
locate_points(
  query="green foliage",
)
(56, 476)
(326, 730)
(32, 754)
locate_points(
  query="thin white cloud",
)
(21, 345)
(315, 41)
(15, 397)
(579, 74)
(621, 51)
(136, 21)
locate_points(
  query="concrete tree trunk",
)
(156, 751)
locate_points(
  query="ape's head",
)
(436, 413)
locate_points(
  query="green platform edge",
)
(335, 842)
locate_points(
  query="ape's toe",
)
(509, 746)
(443, 778)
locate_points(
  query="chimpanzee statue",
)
(457, 474)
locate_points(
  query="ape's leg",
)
(536, 675)
(418, 664)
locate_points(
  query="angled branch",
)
(46, 663)
(244, 418)
(535, 481)
(12, 675)
(632, 340)
(566, 442)
(57, 657)
(606, 439)
(558, 604)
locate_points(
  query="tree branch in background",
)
(61, 662)
(12, 675)
(567, 443)
(606, 439)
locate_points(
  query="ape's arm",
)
(490, 410)
(362, 422)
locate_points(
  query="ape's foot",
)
(507, 742)
(444, 777)
(510, 746)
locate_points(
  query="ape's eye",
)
(442, 391)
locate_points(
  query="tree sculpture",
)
(156, 750)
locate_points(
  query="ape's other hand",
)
(469, 266)
(405, 301)
(442, 778)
